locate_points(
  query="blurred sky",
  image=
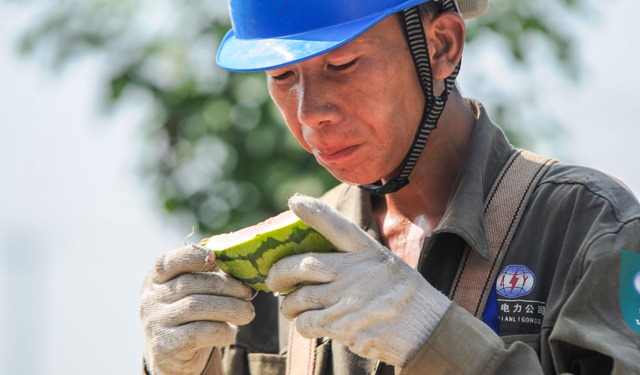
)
(79, 231)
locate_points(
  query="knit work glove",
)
(366, 298)
(186, 310)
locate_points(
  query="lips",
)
(335, 154)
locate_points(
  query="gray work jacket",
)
(578, 240)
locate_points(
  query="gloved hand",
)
(368, 298)
(186, 310)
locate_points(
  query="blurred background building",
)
(119, 134)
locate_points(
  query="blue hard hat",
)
(268, 34)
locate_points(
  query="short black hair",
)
(430, 9)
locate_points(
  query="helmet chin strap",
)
(434, 105)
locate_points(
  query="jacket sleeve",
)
(595, 331)
(462, 344)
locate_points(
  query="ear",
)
(445, 36)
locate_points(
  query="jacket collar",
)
(486, 154)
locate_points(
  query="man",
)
(359, 89)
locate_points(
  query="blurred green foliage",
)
(216, 146)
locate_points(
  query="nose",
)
(317, 102)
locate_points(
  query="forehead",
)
(388, 30)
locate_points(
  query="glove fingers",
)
(207, 334)
(338, 322)
(310, 325)
(322, 323)
(298, 269)
(342, 232)
(176, 262)
(183, 362)
(341, 319)
(188, 338)
(307, 298)
(206, 283)
(209, 308)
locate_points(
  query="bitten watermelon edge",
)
(249, 253)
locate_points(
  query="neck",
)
(425, 198)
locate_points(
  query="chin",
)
(353, 178)
(358, 172)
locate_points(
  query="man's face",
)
(356, 108)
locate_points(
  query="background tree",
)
(216, 147)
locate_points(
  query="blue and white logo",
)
(515, 281)
(630, 288)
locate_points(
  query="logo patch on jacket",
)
(518, 315)
(630, 289)
(515, 281)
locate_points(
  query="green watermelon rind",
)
(251, 261)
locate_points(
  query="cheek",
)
(393, 102)
(289, 110)
(296, 130)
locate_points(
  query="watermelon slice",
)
(249, 253)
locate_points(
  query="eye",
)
(282, 76)
(344, 66)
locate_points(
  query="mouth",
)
(335, 155)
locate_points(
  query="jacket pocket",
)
(267, 364)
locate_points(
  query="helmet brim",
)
(250, 55)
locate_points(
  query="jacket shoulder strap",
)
(301, 353)
(504, 206)
(301, 357)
